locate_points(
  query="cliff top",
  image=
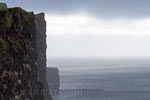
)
(3, 5)
(40, 15)
(16, 20)
(13, 10)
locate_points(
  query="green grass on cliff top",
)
(15, 9)
(3, 5)
(18, 12)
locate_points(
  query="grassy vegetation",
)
(18, 12)
(3, 5)
(3, 46)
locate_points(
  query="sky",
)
(94, 28)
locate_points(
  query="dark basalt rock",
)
(41, 46)
(18, 55)
(41, 49)
(53, 78)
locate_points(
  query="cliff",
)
(18, 55)
(41, 47)
(53, 78)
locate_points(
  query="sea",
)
(103, 79)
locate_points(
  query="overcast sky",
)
(94, 28)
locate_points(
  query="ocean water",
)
(103, 79)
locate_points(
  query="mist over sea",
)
(104, 79)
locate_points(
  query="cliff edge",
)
(41, 49)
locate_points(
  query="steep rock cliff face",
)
(18, 55)
(41, 46)
(41, 49)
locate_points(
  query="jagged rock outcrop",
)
(18, 55)
(53, 78)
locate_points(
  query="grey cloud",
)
(103, 8)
